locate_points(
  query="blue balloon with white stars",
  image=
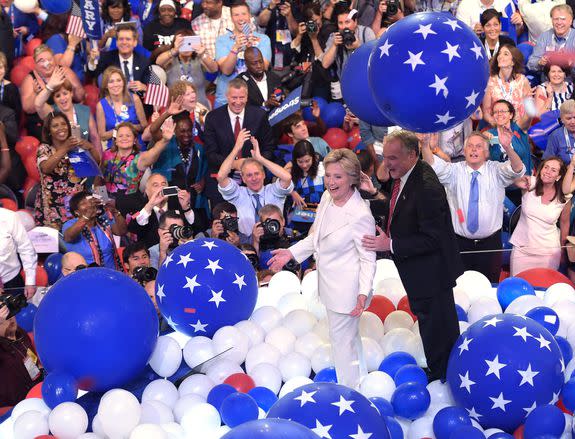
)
(206, 284)
(428, 72)
(502, 367)
(331, 411)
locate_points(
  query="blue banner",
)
(91, 18)
(289, 106)
(83, 163)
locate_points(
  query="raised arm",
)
(149, 157)
(230, 161)
(505, 138)
(282, 174)
(568, 181)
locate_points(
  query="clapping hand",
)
(256, 153)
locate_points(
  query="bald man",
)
(71, 261)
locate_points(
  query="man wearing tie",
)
(422, 243)
(475, 192)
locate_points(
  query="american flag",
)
(75, 26)
(157, 93)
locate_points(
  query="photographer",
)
(137, 265)
(388, 12)
(172, 231)
(225, 225)
(342, 44)
(280, 24)
(269, 232)
(310, 40)
(91, 232)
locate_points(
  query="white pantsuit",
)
(345, 270)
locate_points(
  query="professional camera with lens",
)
(292, 266)
(143, 275)
(271, 228)
(348, 37)
(230, 224)
(181, 233)
(14, 302)
(392, 7)
(311, 26)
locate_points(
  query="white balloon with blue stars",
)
(428, 72)
(503, 367)
(206, 284)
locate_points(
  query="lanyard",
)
(185, 76)
(488, 50)
(507, 95)
(568, 142)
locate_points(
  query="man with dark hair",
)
(225, 224)
(262, 85)
(167, 241)
(296, 129)
(212, 23)
(135, 255)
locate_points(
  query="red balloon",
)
(285, 140)
(353, 138)
(45, 436)
(31, 46)
(8, 203)
(28, 185)
(41, 275)
(186, 14)
(544, 277)
(241, 382)
(35, 392)
(18, 73)
(32, 167)
(381, 306)
(336, 138)
(518, 434)
(403, 305)
(27, 145)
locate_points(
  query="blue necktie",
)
(257, 206)
(473, 205)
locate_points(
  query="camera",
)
(292, 266)
(229, 224)
(254, 260)
(181, 233)
(348, 37)
(311, 26)
(271, 228)
(143, 275)
(14, 302)
(392, 7)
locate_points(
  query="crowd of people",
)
(208, 163)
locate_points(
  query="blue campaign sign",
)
(91, 19)
(290, 105)
(83, 163)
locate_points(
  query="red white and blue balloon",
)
(205, 284)
(428, 72)
(331, 411)
(503, 367)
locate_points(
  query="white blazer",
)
(345, 269)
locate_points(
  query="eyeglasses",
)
(501, 112)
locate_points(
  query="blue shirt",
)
(520, 144)
(557, 146)
(82, 246)
(58, 45)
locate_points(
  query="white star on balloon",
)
(167, 260)
(160, 293)
(217, 297)
(521, 332)
(191, 283)
(239, 281)
(360, 434)
(344, 405)
(500, 402)
(425, 30)
(385, 49)
(451, 51)
(443, 118)
(184, 260)
(555, 398)
(322, 430)
(494, 367)
(478, 50)
(473, 413)
(209, 244)
(439, 85)
(199, 326)
(562, 364)
(543, 342)
(171, 322)
(453, 24)
(471, 99)
(414, 60)
(306, 397)
(491, 322)
(464, 346)
(530, 409)
(527, 375)
(213, 265)
(466, 382)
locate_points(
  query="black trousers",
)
(439, 329)
(15, 285)
(488, 263)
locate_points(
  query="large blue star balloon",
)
(331, 411)
(428, 72)
(270, 429)
(503, 367)
(205, 284)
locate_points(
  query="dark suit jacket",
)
(425, 250)
(140, 67)
(219, 137)
(254, 94)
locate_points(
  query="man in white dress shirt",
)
(475, 192)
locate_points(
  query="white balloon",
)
(148, 431)
(262, 353)
(26, 6)
(399, 339)
(68, 420)
(267, 317)
(167, 357)
(285, 281)
(440, 393)
(291, 302)
(282, 339)
(317, 309)
(220, 369)
(201, 421)
(156, 412)
(89, 436)
(483, 307)
(309, 286)
(30, 424)
(308, 343)
(474, 284)
(422, 427)
(218, 432)
(162, 76)
(404, 424)
(569, 369)
(523, 304)
(377, 383)
(229, 337)
(299, 322)
(98, 428)
(293, 384)
(397, 319)
(29, 404)
(460, 298)
(391, 288)
(565, 309)
(174, 431)
(558, 292)
(198, 350)
(267, 375)
(119, 412)
(294, 365)
(322, 358)
(372, 353)
(370, 325)
(26, 219)
(198, 384)
(261, 413)
(252, 330)
(161, 390)
(433, 409)
(385, 269)
(322, 329)
(267, 297)
(186, 403)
